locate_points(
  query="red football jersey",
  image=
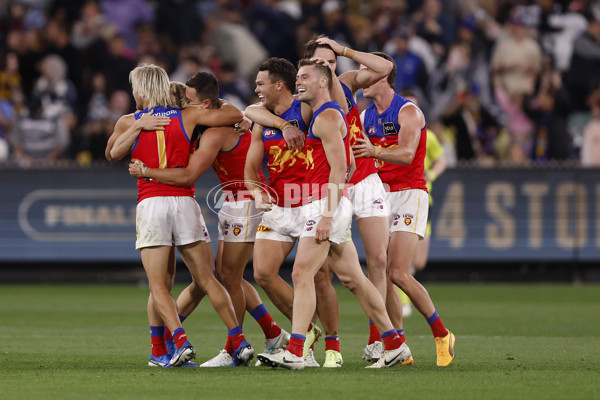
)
(229, 166)
(318, 177)
(169, 148)
(383, 131)
(287, 168)
(365, 166)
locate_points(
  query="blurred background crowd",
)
(501, 82)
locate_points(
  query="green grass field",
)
(513, 342)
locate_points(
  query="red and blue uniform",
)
(318, 177)
(365, 166)
(383, 131)
(229, 166)
(167, 148)
(287, 166)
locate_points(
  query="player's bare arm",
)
(254, 158)
(329, 129)
(377, 67)
(293, 136)
(226, 115)
(411, 121)
(127, 130)
(209, 146)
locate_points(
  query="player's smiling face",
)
(265, 89)
(327, 55)
(306, 83)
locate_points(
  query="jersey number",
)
(162, 149)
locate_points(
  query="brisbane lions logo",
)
(237, 228)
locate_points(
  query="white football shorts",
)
(408, 211)
(342, 220)
(238, 221)
(169, 221)
(368, 198)
(282, 224)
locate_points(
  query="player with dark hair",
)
(366, 191)
(168, 215)
(225, 150)
(327, 220)
(398, 129)
(282, 224)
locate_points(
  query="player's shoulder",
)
(125, 120)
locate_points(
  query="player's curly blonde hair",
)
(151, 83)
(178, 94)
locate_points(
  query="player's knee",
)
(300, 277)
(263, 276)
(399, 277)
(377, 262)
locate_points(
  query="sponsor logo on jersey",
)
(372, 130)
(389, 128)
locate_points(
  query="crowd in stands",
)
(500, 81)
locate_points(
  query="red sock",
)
(402, 339)
(180, 338)
(237, 337)
(269, 326)
(391, 340)
(264, 319)
(296, 345)
(229, 345)
(159, 348)
(437, 326)
(374, 335)
(168, 335)
(332, 343)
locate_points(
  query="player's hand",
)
(337, 48)
(262, 200)
(364, 147)
(324, 63)
(243, 126)
(323, 229)
(294, 137)
(137, 168)
(148, 122)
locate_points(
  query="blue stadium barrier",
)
(479, 215)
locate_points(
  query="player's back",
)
(231, 159)
(167, 148)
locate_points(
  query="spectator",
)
(125, 14)
(55, 91)
(59, 43)
(517, 60)
(590, 151)
(39, 138)
(233, 88)
(91, 27)
(475, 128)
(435, 27)
(411, 71)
